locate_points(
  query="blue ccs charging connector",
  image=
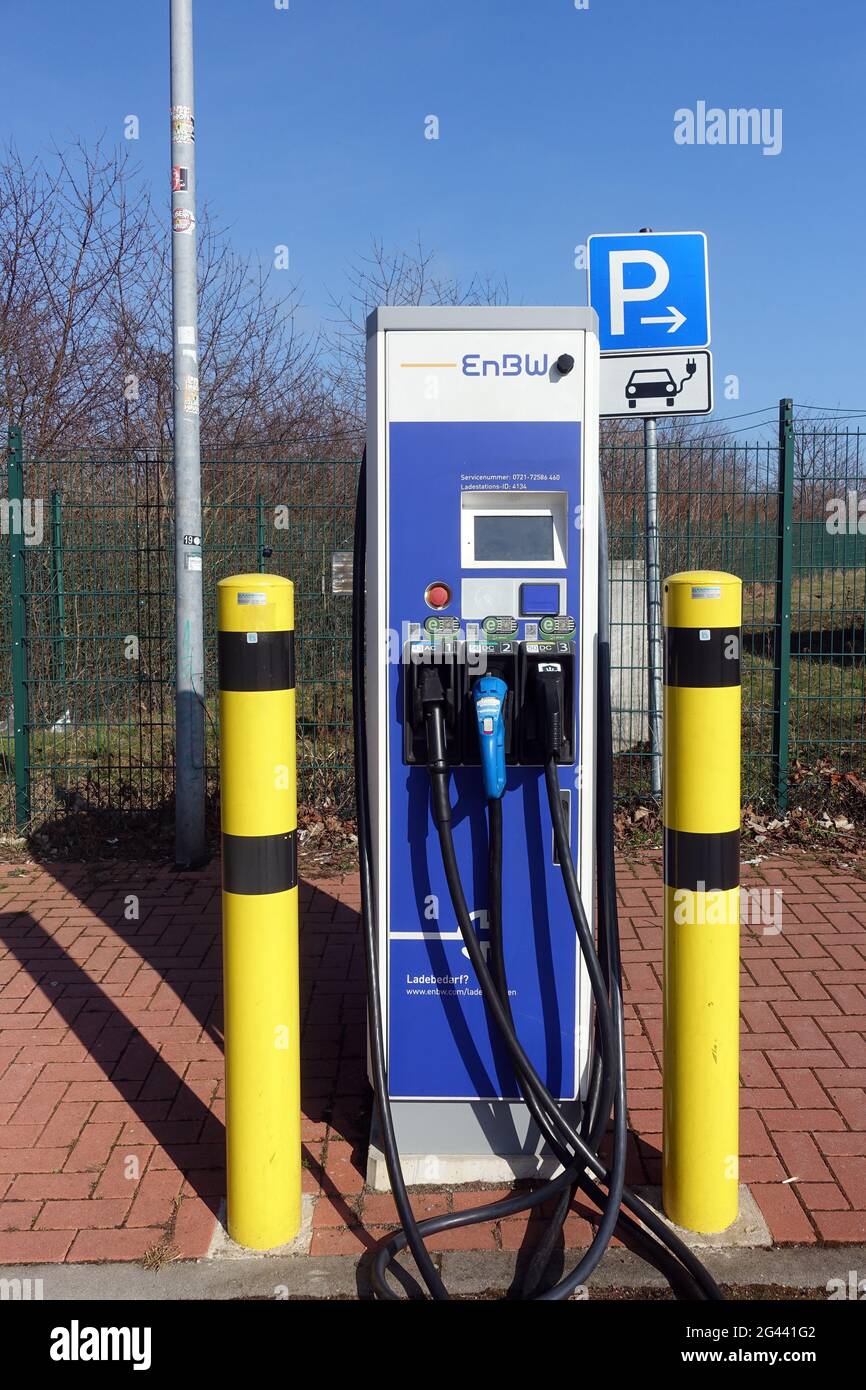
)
(489, 693)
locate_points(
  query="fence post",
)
(58, 595)
(782, 629)
(261, 549)
(20, 693)
(653, 603)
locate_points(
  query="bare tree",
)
(85, 337)
(828, 462)
(67, 234)
(391, 276)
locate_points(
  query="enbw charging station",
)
(482, 461)
(481, 683)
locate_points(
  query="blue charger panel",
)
(441, 1044)
(539, 600)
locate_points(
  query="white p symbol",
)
(619, 295)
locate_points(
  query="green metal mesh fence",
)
(97, 608)
(717, 509)
(100, 638)
(721, 506)
(828, 599)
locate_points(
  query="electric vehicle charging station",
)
(482, 505)
(484, 775)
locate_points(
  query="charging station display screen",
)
(510, 536)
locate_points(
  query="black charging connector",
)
(433, 699)
(432, 674)
(549, 683)
(546, 700)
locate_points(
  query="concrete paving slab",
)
(821, 1270)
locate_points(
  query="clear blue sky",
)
(554, 123)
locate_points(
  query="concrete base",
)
(749, 1230)
(449, 1143)
(454, 1170)
(222, 1247)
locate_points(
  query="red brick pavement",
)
(111, 1099)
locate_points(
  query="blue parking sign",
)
(650, 290)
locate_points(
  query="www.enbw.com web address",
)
(442, 991)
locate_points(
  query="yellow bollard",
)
(260, 908)
(701, 816)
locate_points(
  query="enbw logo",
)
(509, 364)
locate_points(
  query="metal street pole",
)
(189, 679)
(653, 601)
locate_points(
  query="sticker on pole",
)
(190, 395)
(256, 598)
(183, 221)
(706, 591)
(182, 125)
(650, 290)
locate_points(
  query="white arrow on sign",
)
(673, 317)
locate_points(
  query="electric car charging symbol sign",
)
(655, 383)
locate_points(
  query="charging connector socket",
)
(432, 674)
(546, 702)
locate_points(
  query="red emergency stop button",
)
(437, 595)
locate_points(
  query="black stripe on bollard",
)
(258, 864)
(702, 862)
(267, 663)
(702, 657)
